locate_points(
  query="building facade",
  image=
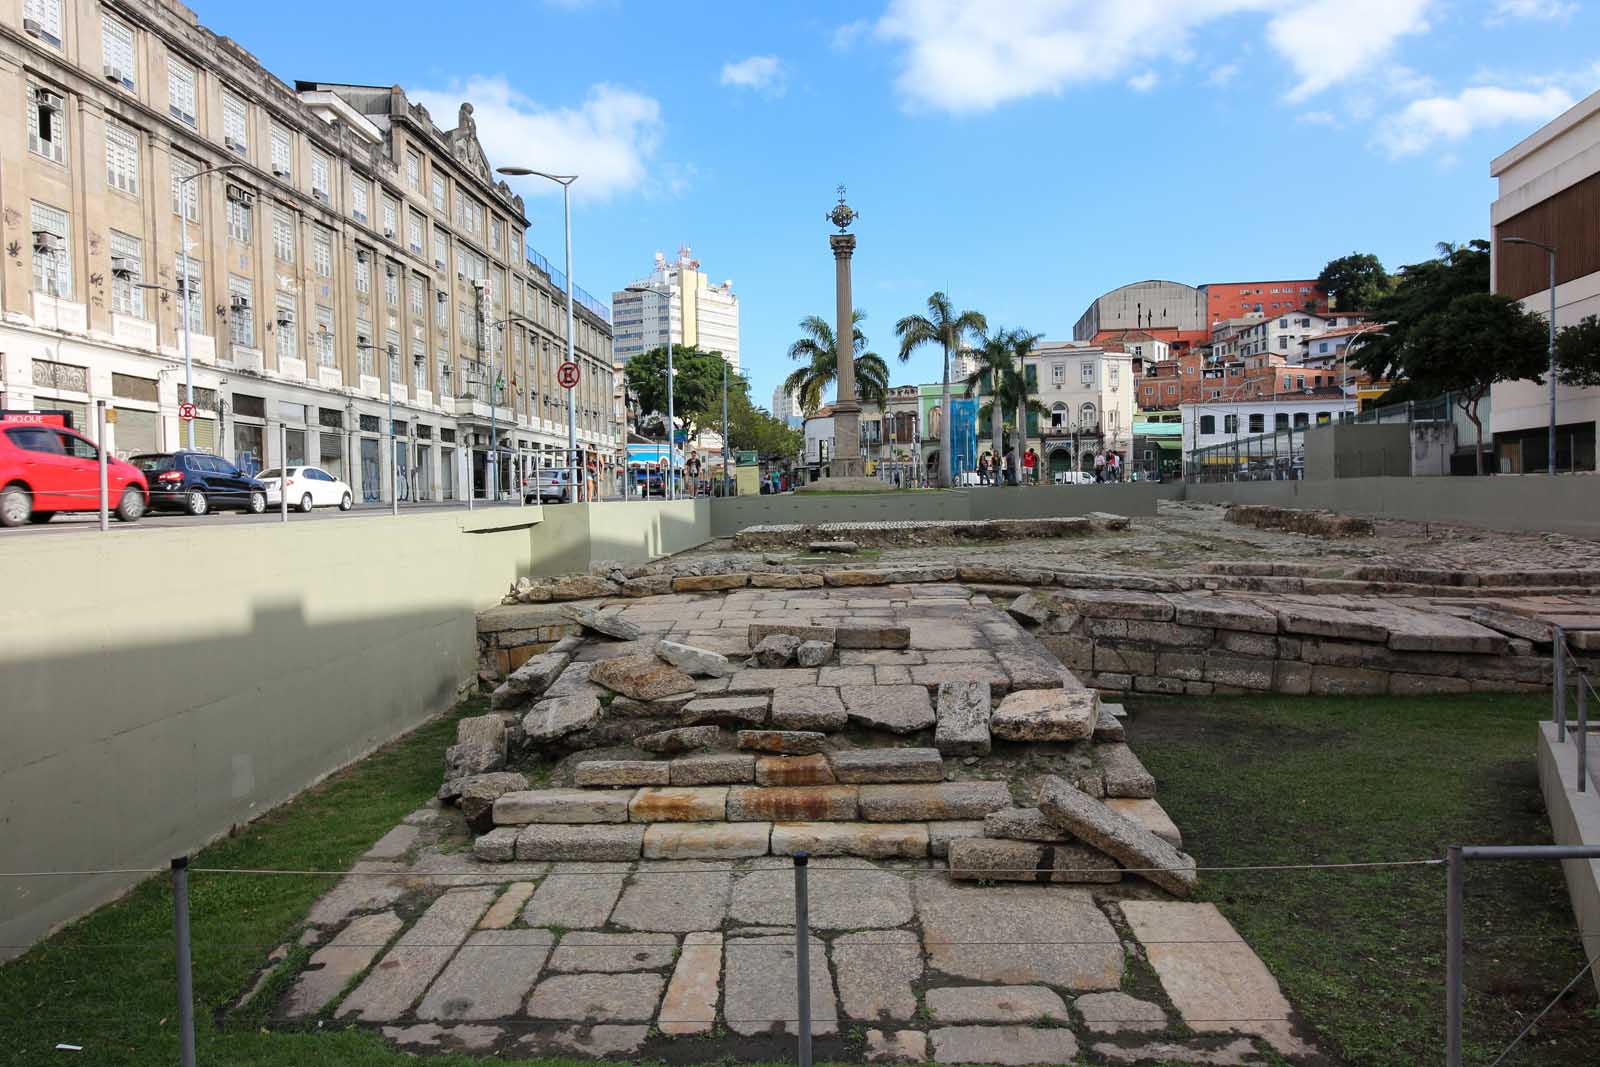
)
(676, 300)
(1234, 300)
(1217, 422)
(786, 407)
(1088, 396)
(1549, 192)
(347, 258)
(1171, 311)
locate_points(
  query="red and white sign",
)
(567, 375)
(186, 412)
(35, 418)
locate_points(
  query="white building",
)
(678, 301)
(1282, 335)
(786, 407)
(1089, 397)
(1549, 192)
(1217, 422)
(819, 437)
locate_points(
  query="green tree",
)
(1474, 341)
(1578, 353)
(819, 354)
(1356, 281)
(1420, 290)
(696, 391)
(751, 428)
(996, 363)
(943, 327)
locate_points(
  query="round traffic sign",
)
(186, 411)
(567, 375)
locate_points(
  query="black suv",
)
(198, 482)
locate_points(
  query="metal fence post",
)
(802, 955)
(283, 472)
(1583, 731)
(180, 922)
(105, 505)
(1558, 695)
(1455, 903)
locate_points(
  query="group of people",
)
(1107, 468)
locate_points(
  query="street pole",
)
(672, 433)
(724, 425)
(394, 464)
(572, 395)
(491, 462)
(100, 421)
(188, 356)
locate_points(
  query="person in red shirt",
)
(1030, 460)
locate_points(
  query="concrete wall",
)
(1358, 450)
(1565, 504)
(1574, 820)
(730, 515)
(158, 686)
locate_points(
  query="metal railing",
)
(1268, 457)
(1563, 658)
(559, 280)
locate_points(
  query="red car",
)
(45, 469)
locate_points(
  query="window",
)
(1114, 371)
(47, 13)
(52, 250)
(241, 215)
(1258, 423)
(283, 234)
(414, 231)
(181, 91)
(47, 123)
(1300, 420)
(127, 268)
(419, 360)
(359, 191)
(363, 271)
(1299, 381)
(241, 316)
(322, 253)
(1058, 373)
(1086, 372)
(1208, 425)
(235, 124)
(391, 284)
(391, 217)
(116, 49)
(364, 361)
(1280, 421)
(415, 296)
(469, 216)
(441, 249)
(320, 181)
(414, 169)
(185, 191)
(497, 235)
(122, 158)
(325, 357)
(287, 328)
(282, 153)
(438, 194)
(1230, 424)
(1086, 418)
(196, 287)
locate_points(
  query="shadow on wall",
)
(573, 536)
(125, 754)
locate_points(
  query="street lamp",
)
(183, 243)
(565, 181)
(390, 354)
(1550, 250)
(672, 447)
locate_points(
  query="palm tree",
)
(996, 359)
(819, 352)
(1022, 343)
(941, 326)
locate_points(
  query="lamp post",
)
(1550, 250)
(565, 181)
(724, 426)
(672, 444)
(390, 352)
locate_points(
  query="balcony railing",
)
(559, 280)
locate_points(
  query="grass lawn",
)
(1361, 954)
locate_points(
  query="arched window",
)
(1086, 418)
(1060, 416)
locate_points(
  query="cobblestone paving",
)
(1184, 533)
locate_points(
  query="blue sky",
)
(1025, 155)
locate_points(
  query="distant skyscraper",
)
(679, 302)
(786, 406)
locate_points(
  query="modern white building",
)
(1217, 422)
(1282, 335)
(786, 407)
(677, 301)
(1550, 193)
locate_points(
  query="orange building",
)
(1170, 383)
(1235, 300)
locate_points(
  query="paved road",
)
(90, 521)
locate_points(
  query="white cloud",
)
(1223, 75)
(608, 141)
(1317, 118)
(965, 57)
(1329, 41)
(761, 73)
(1540, 10)
(847, 35)
(1437, 120)
(1143, 83)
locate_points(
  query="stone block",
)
(1107, 727)
(776, 651)
(1123, 773)
(997, 1004)
(679, 804)
(1115, 604)
(726, 711)
(477, 794)
(962, 719)
(496, 846)
(611, 624)
(768, 580)
(1149, 814)
(943, 831)
(759, 987)
(1241, 671)
(942, 801)
(899, 709)
(581, 587)
(760, 631)
(1111, 1013)
(1416, 631)
(1124, 840)
(597, 998)
(888, 765)
(1329, 620)
(561, 806)
(1109, 657)
(1291, 678)
(1012, 1045)
(1013, 934)
(867, 840)
(813, 653)
(763, 680)
(877, 971)
(472, 758)
(863, 635)
(1187, 666)
(1222, 613)
(1348, 681)
(581, 843)
(647, 585)
(782, 742)
(717, 768)
(1401, 684)
(588, 951)
(709, 583)
(681, 739)
(489, 977)
(794, 770)
(641, 677)
(333, 966)
(1248, 644)
(555, 717)
(852, 675)
(706, 841)
(407, 969)
(1031, 608)
(1076, 652)
(690, 1006)
(1113, 680)
(820, 803)
(810, 708)
(623, 772)
(1169, 686)
(1045, 715)
(1024, 824)
(694, 660)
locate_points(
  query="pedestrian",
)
(985, 469)
(1011, 466)
(1030, 460)
(691, 471)
(1099, 466)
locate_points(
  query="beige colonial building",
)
(352, 255)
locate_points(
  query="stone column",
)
(846, 410)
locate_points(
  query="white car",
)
(1074, 478)
(308, 487)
